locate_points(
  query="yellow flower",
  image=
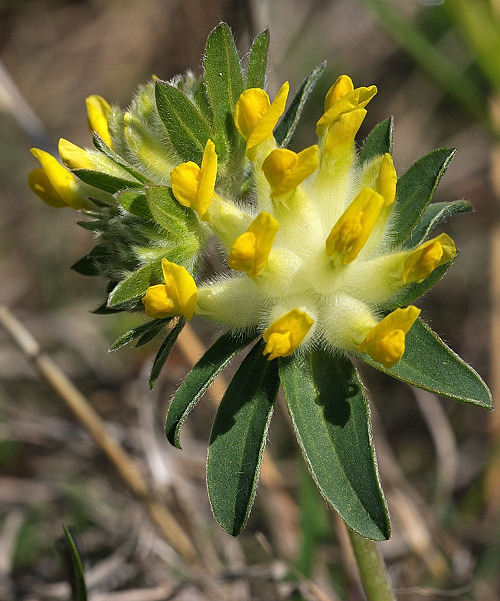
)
(343, 98)
(255, 117)
(193, 186)
(352, 230)
(177, 296)
(98, 113)
(285, 334)
(55, 185)
(251, 249)
(285, 169)
(385, 342)
(421, 262)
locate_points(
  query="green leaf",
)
(257, 64)
(429, 364)
(435, 214)
(104, 181)
(288, 123)
(88, 265)
(75, 567)
(135, 285)
(135, 203)
(331, 419)
(151, 328)
(379, 141)
(238, 438)
(199, 379)
(224, 85)
(164, 351)
(180, 222)
(186, 126)
(415, 189)
(101, 145)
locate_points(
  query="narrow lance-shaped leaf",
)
(434, 214)
(151, 328)
(288, 123)
(429, 364)
(101, 145)
(187, 128)
(105, 182)
(199, 379)
(224, 85)
(164, 351)
(331, 419)
(379, 141)
(135, 285)
(415, 189)
(257, 64)
(180, 222)
(238, 438)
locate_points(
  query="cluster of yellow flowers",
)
(314, 249)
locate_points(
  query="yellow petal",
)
(385, 343)
(285, 169)
(208, 175)
(352, 230)
(242, 255)
(421, 262)
(62, 181)
(157, 303)
(255, 117)
(181, 287)
(353, 100)
(250, 251)
(73, 156)
(387, 180)
(99, 112)
(285, 334)
(342, 86)
(250, 107)
(184, 182)
(193, 186)
(176, 297)
(41, 186)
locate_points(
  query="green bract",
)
(325, 250)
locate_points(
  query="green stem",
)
(372, 571)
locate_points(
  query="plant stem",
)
(372, 570)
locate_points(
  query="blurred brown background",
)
(52, 55)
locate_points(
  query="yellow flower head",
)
(98, 113)
(193, 186)
(352, 230)
(285, 169)
(385, 342)
(255, 117)
(421, 262)
(285, 334)
(54, 184)
(177, 296)
(251, 249)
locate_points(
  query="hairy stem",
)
(372, 570)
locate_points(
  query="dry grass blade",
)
(89, 418)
